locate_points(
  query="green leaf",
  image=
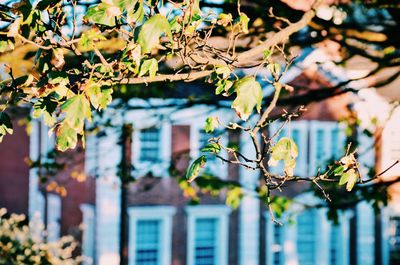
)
(45, 4)
(211, 124)
(76, 109)
(5, 125)
(60, 82)
(67, 138)
(89, 37)
(279, 205)
(45, 107)
(103, 14)
(286, 150)
(149, 66)
(212, 148)
(99, 97)
(195, 167)
(225, 71)
(151, 31)
(134, 14)
(234, 197)
(267, 53)
(242, 23)
(175, 25)
(249, 95)
(350, 177)
(338, 171)
(225, 86)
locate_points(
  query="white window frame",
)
(36, 198)
(220, 212)
(53, 217)
(301, 168)
(160, 168)
(162, 213)
(88, 243)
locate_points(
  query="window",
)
(208, 235)
(275, 241)
(394, 240)
(152, 150)
(365, 234)
(306, 237)
(88, 233)
(150, 144)
(277, 245)
(205, 241)
(150, 235)
(334, 245)
(327, 142)
(148, 242)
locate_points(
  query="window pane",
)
(277, 247)
(334, 244)
(205, 241)
(320, 148)
(150, 144)
(148, 242)
(394, 240)
(338, 144)
(306, 235)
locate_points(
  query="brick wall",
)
(14, 171)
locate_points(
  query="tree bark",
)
(125, 177)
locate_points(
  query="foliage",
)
(21, 243)
(78, 60)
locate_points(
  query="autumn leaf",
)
(5, 125)
(211, 124)
(76, 109)
(151, 31)
(286, 150)
(67, 137)
(249, 95)
(350, 177)
(149, 66)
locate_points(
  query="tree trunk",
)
(125, 176)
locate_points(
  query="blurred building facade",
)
(164, 228)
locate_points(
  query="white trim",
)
(53, 217)
(88, 233)
(36, 199)
(221, 213)
(162, 213)
(160, 168)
